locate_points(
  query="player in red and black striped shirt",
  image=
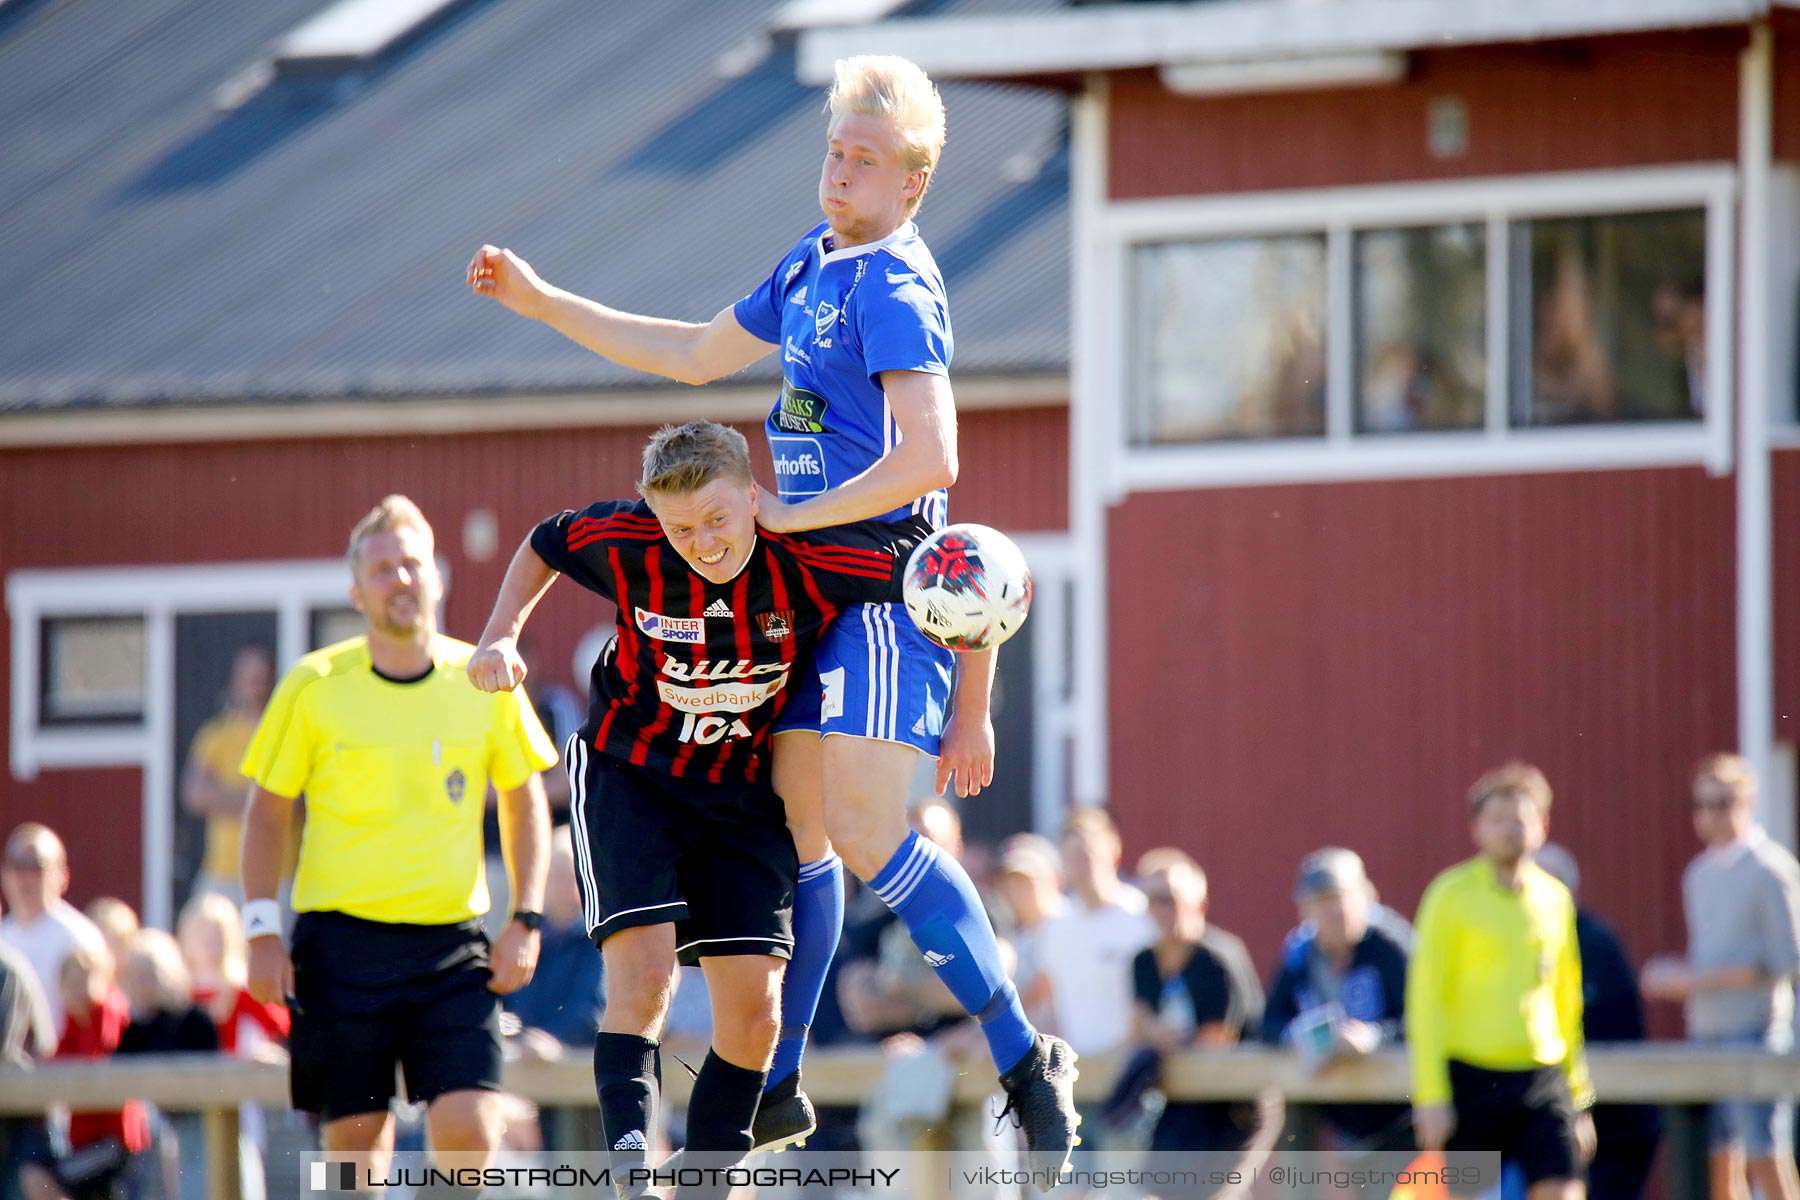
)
(704, 652)
(682, 845)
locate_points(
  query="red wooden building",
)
(1433, 404)
(245, 324)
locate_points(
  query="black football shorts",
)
(714, 858)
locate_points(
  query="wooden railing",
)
(1673, 1075)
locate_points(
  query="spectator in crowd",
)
(1340, 989)
(26, 1036)
(1089, 945)
(1678, 308)
(117, 922)
(1625, 1135)
(212, 944)
(26, 1031)
(561, 1005)
(211, 936)
(103, 1146)
(1741, 895)
(1193, 986)
(165, 1020)
(1493, 998)
(1572, 373)
(212, 786)
(45, 928)
(164, 1017)
(1031, 885)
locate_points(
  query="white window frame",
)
(1121, 226)
(292, 590)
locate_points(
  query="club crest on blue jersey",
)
(844, 319)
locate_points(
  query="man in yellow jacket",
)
(1493, 999)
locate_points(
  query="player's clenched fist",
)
(505, 277)
(497, 667)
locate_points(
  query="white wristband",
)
(262, 918)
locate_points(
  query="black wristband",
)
(533, 921)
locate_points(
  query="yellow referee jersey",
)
(395, 777)
(1494, 980)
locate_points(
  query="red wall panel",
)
(1300, 666)
(1615, 102)
(234, 501)
(1786, 24)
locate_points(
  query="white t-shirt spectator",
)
(1086, 953)
(45, 942)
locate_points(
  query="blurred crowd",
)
(1121, 963)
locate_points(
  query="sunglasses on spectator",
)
(1713, 803)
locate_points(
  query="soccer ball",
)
(967, 587)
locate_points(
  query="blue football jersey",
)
(842, 317)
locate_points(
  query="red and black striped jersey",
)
(694, 678)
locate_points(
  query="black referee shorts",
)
(714, 858)
(370, 996)
(1528, 1116)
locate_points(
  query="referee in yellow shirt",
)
(394, 750)
(1493, 999)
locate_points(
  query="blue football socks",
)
(931, 893)
(818, 923)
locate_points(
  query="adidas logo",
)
(718, 608)
(799, 297)
(919, 727)
(934, 959)
(631, 1141)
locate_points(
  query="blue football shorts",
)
(875, 676)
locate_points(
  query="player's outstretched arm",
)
(678, 350)
(966, 756)
(924, 461)
(496, 666)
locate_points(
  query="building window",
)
(1420, 312)
(1610, 318)
(328, 626)
(92, 670)
(1552, 322)
(1229, 337)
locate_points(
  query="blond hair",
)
(394, 512)
(1730, 770)
(1174, 862)
(156, 974)
(886, 85)
(681, 459)
(116, 919)
(1519, 777)
(86, 961)
(210, 910)
(1092, 820)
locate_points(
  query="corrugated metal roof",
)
(312, 242)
